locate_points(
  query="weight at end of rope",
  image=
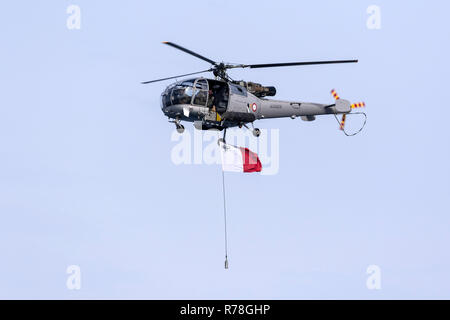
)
(226, 263)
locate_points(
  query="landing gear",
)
(180, 128)
(178, 125)
(256, 132)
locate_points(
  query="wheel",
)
(180, 128)
(256, 132)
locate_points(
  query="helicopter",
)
(222, 102)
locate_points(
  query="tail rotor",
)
(352, 106)
(342, 125)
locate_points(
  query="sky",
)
(87, 177)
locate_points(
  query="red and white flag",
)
(237, 159)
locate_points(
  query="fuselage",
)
(218, 104)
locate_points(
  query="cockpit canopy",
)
(201, 92)
(192, 91)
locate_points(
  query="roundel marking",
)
(254, 107)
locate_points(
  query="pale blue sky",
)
(86, 176)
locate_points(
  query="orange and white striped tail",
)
(358, 105)
(344, 116)
(335, 95)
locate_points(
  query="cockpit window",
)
(201, 84)
(178, 93)
(235, 89)
(181, 95)
(201, 92)
(165, 98)
(187, 83)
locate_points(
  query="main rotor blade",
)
(288, 64)
(183, 75)
(190, 52)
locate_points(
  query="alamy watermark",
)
(374, 19)
(202, 147)
(73, 21)
(74, 279)
(373, 282)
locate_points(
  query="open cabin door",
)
(218, 99)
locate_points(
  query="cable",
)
(225, 219)
(224, 201)
(350, 114)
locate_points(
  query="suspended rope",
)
(225, 219)
(351, 114)
(224, 203)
